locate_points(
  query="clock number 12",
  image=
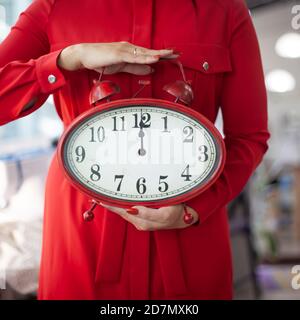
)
(145, 120)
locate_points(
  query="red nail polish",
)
(188, 218)
(157, 56)
(132, 211)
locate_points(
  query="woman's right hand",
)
(114, 56)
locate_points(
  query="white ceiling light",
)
(4, 28)
(280, 81)
(288, 45)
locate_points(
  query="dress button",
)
(205, 65)
(51, 79)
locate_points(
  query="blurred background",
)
(264, 219)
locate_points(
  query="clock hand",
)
(141, 151)
(141, 134)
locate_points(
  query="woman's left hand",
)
(147, 219)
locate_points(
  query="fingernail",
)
(177, 52)
(152, 70)
(156, 56)
(132, 211)
(170, 49)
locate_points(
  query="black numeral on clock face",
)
(95, 173)
(186, 173)
(163, 186)
(116, 123)
(119, 177)
(203, 153)
(97, 135)
(165, 119)
(189, 134)
(141, 186)
(80, 154)
(142, 121)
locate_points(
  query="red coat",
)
(109, 258)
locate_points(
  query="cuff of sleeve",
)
(49, 75)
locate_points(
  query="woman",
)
(57, 48)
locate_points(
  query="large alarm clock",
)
(142, 151)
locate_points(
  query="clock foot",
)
(89, 214)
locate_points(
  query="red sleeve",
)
(244, 109)
(28, 72)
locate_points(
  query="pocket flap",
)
(205, 58)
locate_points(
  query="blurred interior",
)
(264, 219)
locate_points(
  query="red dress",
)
(109, 258)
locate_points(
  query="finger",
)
(137, 69)
(160, 215)
(130, 57)
(114, 68)
(117, 210)
(142, 224)
(151, 52)
(169, 57)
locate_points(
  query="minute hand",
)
(141, 151)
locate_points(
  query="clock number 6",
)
(95, 173)
(140, 185)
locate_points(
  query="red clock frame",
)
(154, 103)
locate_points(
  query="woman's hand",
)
(114, 56)
(148, 219)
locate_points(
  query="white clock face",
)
(140, 153)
